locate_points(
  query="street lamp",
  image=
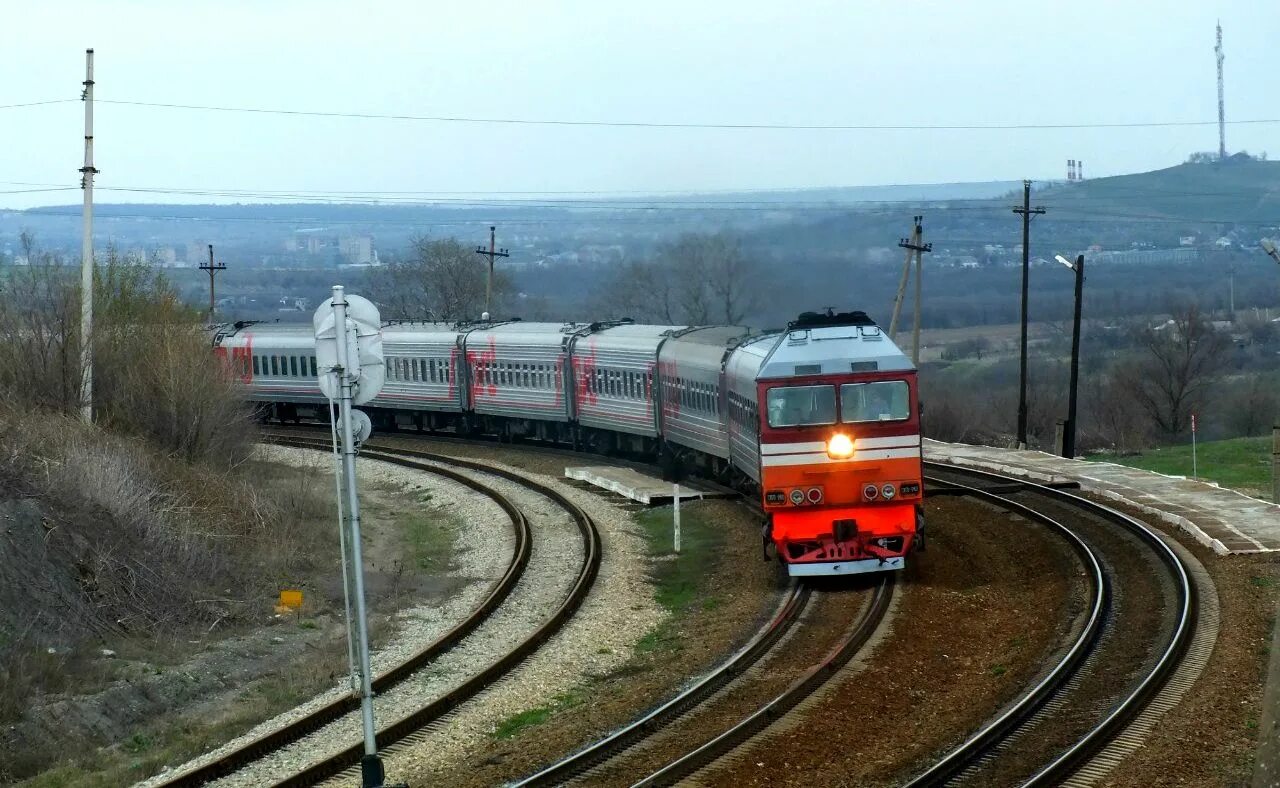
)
(1269, 247)
(1069, 438)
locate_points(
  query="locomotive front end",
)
(840, 449)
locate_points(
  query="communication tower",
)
(1222, 111)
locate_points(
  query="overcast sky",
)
(840, 63)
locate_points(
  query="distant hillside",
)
(1236, 190)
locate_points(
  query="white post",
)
(675, 504)
(86, 251)
(339, 303)
(1195, 474)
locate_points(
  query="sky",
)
(849, 63)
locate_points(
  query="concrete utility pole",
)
(916, 248)
(213, 268)
(1027, 212)
(86, 249)
(491, 253)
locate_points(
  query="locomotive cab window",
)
(886, 400)
(794, 406)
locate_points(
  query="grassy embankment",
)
(1242, 464)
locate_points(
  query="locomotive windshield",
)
(794, 406)
(887, 400)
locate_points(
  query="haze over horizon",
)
(823, 63)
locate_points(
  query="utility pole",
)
(1027, 212)
(213, 268)
(916, 248)
(491, 253)
(86, 249)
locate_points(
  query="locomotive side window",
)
(887, 400)
(794, 406)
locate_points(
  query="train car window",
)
(255, 365)
(885, 400)
(293, 366)
(314, 372)
(794, 406)
(275, 365)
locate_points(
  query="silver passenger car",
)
(690, 366)
(280, 361)
(743, 418)
(424, 367)
(613, 374)
(518, 369)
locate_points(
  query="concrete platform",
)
(1224, 520)
(641, 487)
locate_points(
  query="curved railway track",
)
(425, 715)
(958, 763)
(1038, 703)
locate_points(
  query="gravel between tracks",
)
(619, 611)
(482, 553)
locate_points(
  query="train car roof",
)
(833, 349)
(719, 336)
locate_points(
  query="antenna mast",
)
(1222, 112)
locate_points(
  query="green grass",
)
(678, 578)
(1242, 464)
(536, 716)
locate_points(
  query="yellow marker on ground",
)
(289, 601)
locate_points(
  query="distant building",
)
(1223, 243)
(356, 249)
(1145, 256)
(1186, 240)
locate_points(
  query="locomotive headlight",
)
(888, 492)
(840, 446)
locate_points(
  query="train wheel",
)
(921, 540)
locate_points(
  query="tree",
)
(437, 280)
(1177, 366)
(697, 279)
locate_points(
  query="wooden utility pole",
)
(1027, 212)
(213, 268)
(914, 247)
(491, 253)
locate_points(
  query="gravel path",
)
(482, 553)
(598, 639)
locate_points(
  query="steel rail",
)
(1099, 735)
(281, 737)
(336, 763)
(853, 641)
(618, 742)
(1066, 763)
(999, 729)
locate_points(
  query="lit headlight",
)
(840, 446)
(887, 491)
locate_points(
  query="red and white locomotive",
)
(821, 420)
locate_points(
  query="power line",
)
(38, 103)
(683, 125)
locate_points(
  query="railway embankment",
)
(142, 593)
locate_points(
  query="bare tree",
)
(437, 280)
(1178, 365)
(696, 279)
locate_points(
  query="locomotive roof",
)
(833, 350)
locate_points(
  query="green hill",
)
(1239, 189)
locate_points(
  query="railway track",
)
(590, 762)
(1114, 717)
(460, 471)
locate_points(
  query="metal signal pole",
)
(213, 268)
(1027, 211)
(491, 253)
(86, 249)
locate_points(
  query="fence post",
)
(1060, 438)
(1275, 463)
